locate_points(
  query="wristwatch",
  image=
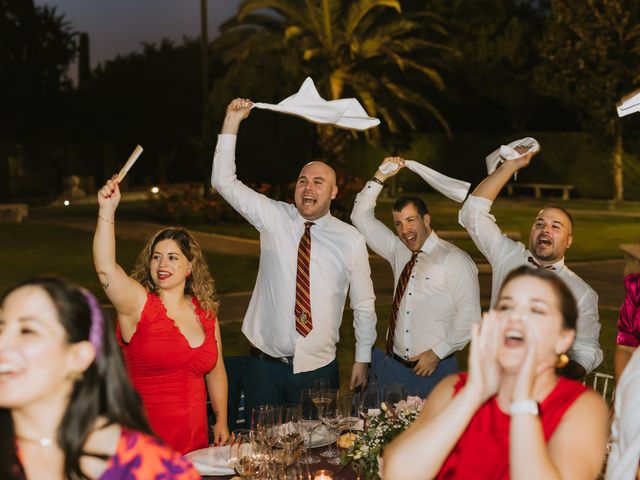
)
(530, 407)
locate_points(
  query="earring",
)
(562, 360)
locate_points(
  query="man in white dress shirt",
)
(291, 348)
(437, 295)
(550, 237)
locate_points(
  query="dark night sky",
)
(120, 26)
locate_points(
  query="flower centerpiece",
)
(380, 429)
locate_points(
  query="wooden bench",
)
(632, 256)
(13, 212)
(539, 187)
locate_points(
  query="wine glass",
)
(290, 432)
(321, 384)
(309, 422)
(250, 456)
(393, 393)
(329, 417)
(369, 402)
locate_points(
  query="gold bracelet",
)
(104, 219)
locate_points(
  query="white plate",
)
(211, 461)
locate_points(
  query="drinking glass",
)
(291, 432)
(369, 401)
(393, 393)
(329, 416)
(251, 459)
(309, 423)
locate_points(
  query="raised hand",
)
(109, 198)
(237, 111)
(484, 372)
(525, 159)
(380, 175)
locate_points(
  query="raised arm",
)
(259, 210)
(125, 293)
(490, 187)
(379, 238)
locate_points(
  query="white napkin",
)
(630, 103)
(508, 152)
(452, 188)
(211, 461)
(307, 103)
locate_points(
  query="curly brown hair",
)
(199, 283)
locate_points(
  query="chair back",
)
(602, 383)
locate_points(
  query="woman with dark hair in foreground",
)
(67, 409)
(168, 328)
(511, 416)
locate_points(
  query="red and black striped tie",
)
(397, 298)
(303, 285)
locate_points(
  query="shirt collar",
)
(430, 243)
(318, 223)
(559, 265)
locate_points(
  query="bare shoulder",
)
(440, 396)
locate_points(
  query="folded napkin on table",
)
(508, 152)
(307, 103)
(454, 189)
(211, 461)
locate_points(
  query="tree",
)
(365, 48)
(591, 50)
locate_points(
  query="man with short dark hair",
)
(308, 262)
(549, 239)
(437, 296)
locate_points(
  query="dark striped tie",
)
(303, 284)
(397, 298)
(533, 262)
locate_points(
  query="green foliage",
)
(367, 49)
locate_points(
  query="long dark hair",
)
(102, 390)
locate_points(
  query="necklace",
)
(43, 441)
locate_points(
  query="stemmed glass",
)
(309, 422)
(394, 393)
(265, 421)
(290, 436)
(329, 416)
(249, 454)
(369, 402)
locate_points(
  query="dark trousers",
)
(387, 370)
(267, 382)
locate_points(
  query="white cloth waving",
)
(452, 188)
(307, 103)
(508, 152)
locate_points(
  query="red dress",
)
(169, 374)
(482, 452)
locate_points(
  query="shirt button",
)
(407, 312)
(407, 331)
(410, 293)
(413, 276)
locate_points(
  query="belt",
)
(404, 362)
(257, 353)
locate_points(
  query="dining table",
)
(339, 472)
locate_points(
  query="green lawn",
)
(27, 249)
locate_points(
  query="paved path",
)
(605, 276)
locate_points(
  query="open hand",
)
(484, 371)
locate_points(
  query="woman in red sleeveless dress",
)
(167, 327)
(511, 416)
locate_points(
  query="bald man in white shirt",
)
(290, 347)
(551, 235)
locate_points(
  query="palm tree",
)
(365, 48)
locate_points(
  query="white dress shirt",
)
(505, 255)
(442, 298)
(625, 429)
(339, 262)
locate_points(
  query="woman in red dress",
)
(511, 416)
(167, 327)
